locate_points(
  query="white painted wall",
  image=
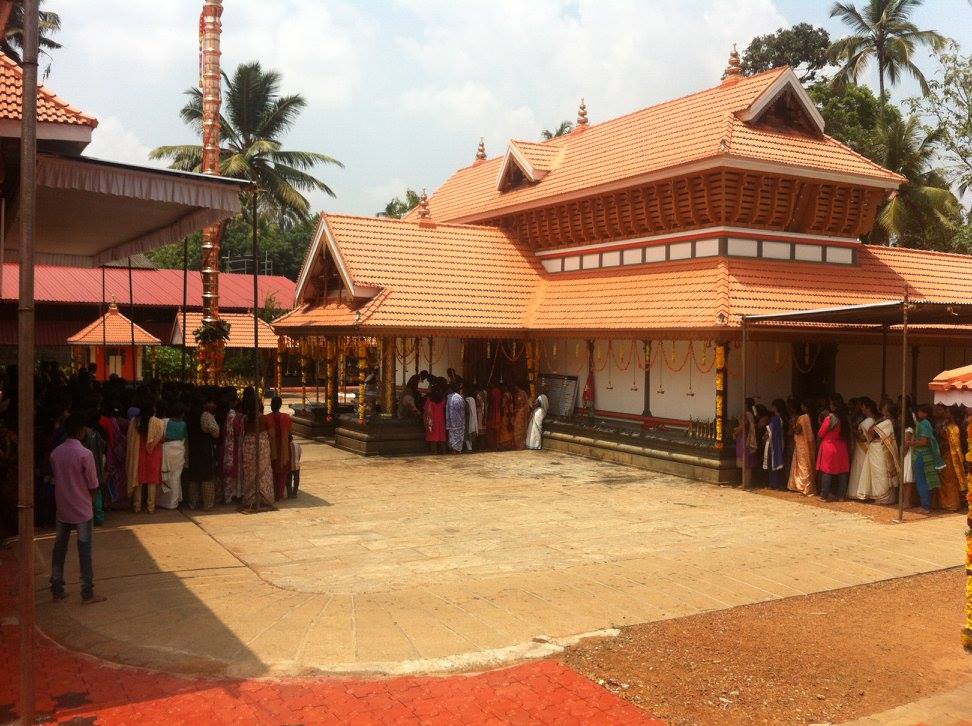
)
(859, 368)
(622, 391)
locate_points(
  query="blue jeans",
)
(85, 534)
(827, 484)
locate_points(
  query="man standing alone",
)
(280, 426)
(75, 484)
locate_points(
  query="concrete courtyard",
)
(446, 563)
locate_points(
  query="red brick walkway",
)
(77, 689)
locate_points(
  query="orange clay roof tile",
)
(240, 334)
(660, 137)
(473, 278)
(112, 328)
(50, 108)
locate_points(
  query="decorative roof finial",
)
(733, 71)
(481, 150)
(423, 205)
(582, 114)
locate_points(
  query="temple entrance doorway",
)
(814, 370)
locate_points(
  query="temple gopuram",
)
(620, 259)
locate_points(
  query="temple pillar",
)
(388, 377)
(417, 356)
(302, 349)
(531, 361)
(332, 378)
(646, 354)
(281, 351)
(342, 353)
(153, 359)
(362, 375)
(720, 392)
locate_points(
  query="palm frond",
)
(852, 17)
(281, 115)
(304, 159)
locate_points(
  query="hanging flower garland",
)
(621, 364)
(806, 354)
(672, 367)
(515, 355)
(967, 630)
(601, 363)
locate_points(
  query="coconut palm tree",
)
(881, 31)
(12, 40)
(923, 212)
(399, 207)
(565, 128)
(255, 117)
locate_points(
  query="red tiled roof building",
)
(630, 249)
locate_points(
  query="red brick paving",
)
(74, 688)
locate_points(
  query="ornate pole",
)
(332, 378)
(720, 393)
(646, 353)
(342, 344)
(388, 377)
(303, 371)
(281, 351)
(362, 365)
(210, 79)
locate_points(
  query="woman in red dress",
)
(434, 419)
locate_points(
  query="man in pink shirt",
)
(75, 482)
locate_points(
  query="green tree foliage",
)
(852, 115)
(399, 207)
(12, 41)
(285, 245)
(881, 31)
(255, 117)
(803, 47)
(922, 213)
(947, 107)
(563, 129)
(168, 362)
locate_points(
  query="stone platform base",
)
(692, 462)
(313, 429)
(380, 437)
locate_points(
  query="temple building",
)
(621, 259)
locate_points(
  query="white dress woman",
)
(859, 483)
(534, 439)
(882, 458)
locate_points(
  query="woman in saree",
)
(926, 458)
(882, 454)
(257, 481)
(802, 471)
(859, 482)
(455, 417)
(521, 418)
(534, 438)
(746, 437)
(230, 451)
(506, 419)
(950, 444)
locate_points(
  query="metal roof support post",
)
(884, 361)
(185, 301)
(746, 473)
(904, 397)
(131, 319)
(25, 360)
(258, 399)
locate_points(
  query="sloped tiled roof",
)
(112, 328)
(50, 108)
(430, 276)
(694, 128)
(472, 278)
(957, 379)
(241, 330)
(542, 156)
(156, 288)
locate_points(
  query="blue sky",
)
(401, 90)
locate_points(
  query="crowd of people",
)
(460, 415)
(852, 450)
(155, 445)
